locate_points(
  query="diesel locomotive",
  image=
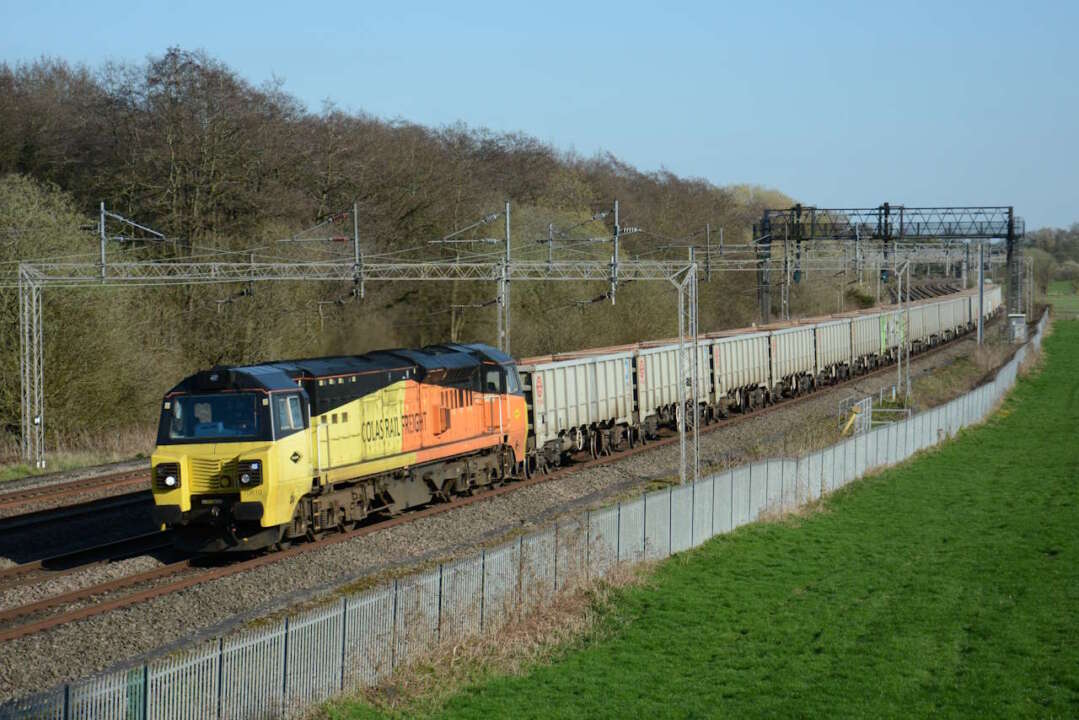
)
(257, 456)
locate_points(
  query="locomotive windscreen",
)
(229, 417)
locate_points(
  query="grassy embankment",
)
(1062, 296)
(945, 587)
(83, 453)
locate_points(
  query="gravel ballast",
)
(78, 649)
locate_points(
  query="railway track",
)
(70, 562)
(131, 478)
(35, 518)
(176, 576)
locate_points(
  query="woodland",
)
(224, 168)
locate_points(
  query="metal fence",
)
(286, 667)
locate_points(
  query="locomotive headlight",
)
(167, 476)
(250, 473)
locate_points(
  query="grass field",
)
(1062, 296)
(948, 587)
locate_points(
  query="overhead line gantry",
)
(892, 227)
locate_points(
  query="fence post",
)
(518, 600)
(393, 635)
(556, 557)
(220, 676)
(712, 525)
(588, 544)
(284, 668)
(67, 701)
(438, 620)
(749, 492)
(644, 525)
(731, 473)
(145, 692)
(483, 585)
(692, 512)
(618, 534)
(344, 637)
(670, 520)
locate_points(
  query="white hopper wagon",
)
(659, 383)
(579, 402)
(741, 370)
(794, 362)
(833, 344)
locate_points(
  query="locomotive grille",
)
(210, 476)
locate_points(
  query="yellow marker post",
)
(853, 416)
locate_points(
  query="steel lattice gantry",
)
(892, 226)
(33, 278)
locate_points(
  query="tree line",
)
(224, 167)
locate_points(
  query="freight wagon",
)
(659, 384)
(741, 371)
(578, 402)
(794, 365)
(833, 346)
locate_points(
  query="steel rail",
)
(94, 506)
(256, 562)
(76, 560)
(73, 488)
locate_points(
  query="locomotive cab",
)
(249, 457)
(233, 454)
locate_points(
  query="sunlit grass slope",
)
(948, 587)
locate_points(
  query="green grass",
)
(1062, 296)
(947, 587)
(61, 462)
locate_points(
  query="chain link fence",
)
(287, 667)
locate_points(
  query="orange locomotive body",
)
(437, 422)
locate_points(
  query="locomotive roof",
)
(284, 375)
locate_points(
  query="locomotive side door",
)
(291, 463)
(492, 395)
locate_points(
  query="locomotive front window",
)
(205, 418)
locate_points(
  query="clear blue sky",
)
(837, 104)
